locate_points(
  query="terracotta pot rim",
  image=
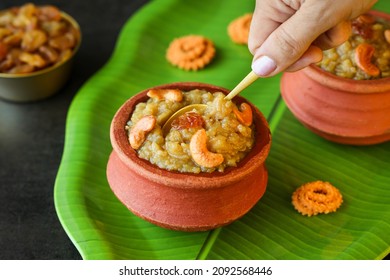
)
(119, 142)
(347, 84)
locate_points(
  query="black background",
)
(32, 138)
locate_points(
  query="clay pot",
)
(341, 110)
(186, 201)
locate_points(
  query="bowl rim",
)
(129, 157)
(356, 86)
(75, 24)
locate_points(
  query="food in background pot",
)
(34, 37)
(365, 55)
(202, 140)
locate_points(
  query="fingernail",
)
(263, 66)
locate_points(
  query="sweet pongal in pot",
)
(366, 54)
(205, 171)
(202, 140)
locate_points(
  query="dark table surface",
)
(32, 138)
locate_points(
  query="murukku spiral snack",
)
(238, 29)
(192, 52)
(316, 197)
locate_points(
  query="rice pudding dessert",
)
(202, 140)
(365, 55)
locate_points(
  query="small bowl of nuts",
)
(37, 48)
(207, 171)
(345, 98)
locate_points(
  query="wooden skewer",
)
(249, 79)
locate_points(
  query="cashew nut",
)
(140, 130)
(244, 115)
(387, 35)
(166, 94)
(199, 152)
(363, 55)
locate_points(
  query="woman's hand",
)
(288, 35)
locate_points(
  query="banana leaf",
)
(102, 228)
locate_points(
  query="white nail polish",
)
(263, 66)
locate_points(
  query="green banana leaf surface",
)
(102, 228)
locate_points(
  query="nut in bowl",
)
(168, 186)
(37, 49)
(346, 97)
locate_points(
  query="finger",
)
(292, 38)
(334, 36)
(312, 55)
(266, 18)
(288, 42)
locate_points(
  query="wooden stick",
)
(249, 79)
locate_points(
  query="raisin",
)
(21, 69)
(64, 42)
(48, 53)
(188, 120)
(33, 39)
(49, 13)
(3, 51)
(362, 26)
(32, 59)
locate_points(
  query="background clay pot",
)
(185, 201)
(339, 109)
